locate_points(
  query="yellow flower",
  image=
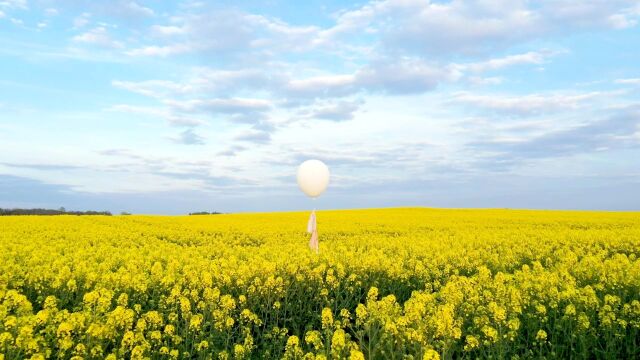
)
(431, 355)
(203, 345)
(314, 338)
(327, 318)
(338, 341)
(541, 336)
(471, 343)
(372, 295)
(127, 340)
(195, 322)
(292, 349)
(356, 355)
(229, 322)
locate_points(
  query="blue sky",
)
(171, 107)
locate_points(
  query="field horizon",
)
(396, 208)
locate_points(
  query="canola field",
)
(387, 284)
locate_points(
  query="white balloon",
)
(313, 177)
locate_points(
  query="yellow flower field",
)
(387, 284)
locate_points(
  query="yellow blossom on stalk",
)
(50, 303)
(471, 343)
(372, 295)
(338, 342)
(196, 322)
(127, 340)
(185, 305)
(570, 310)
(583, 321)
(239, 351)
(490, 333)
(71, 285)
(314, 338)
(229, 322)
(96, 351)
(356, 355)
(203, 345)
(10, 322)
(345, 316)
(327, 318)
(292, 349)
(431, 355)
(169, 329)
(361, 314)
(541, 336)
(155, 335)
(123, 300)
(141, 325)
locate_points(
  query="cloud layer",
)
(410, 102)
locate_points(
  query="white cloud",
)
(169, 30)
(227, 106)
(98, 36)
(188, 137)
(159, 112)
(493, 80)
(144, 110)
(152, 88)
(1, 14)
(332, 84)
(134, 9)
(218, 32)
(525, 105)
(254, 136)
(51, 12)
(182, 121)
(14, 4)
(81, 21)
(620, 21)
(404, 76)
(393, 76)
(531, 57)
(204, 79)
(162, 51)
(475, 27)
(630, 81)
(333, 111)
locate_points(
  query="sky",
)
(167, 107)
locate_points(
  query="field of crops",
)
(387, 284)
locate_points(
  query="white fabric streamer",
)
(313, 230)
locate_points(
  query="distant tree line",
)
(61, 211)
(205, 213)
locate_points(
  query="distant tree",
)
(125, 213)
(60, 211)
(205, 213)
